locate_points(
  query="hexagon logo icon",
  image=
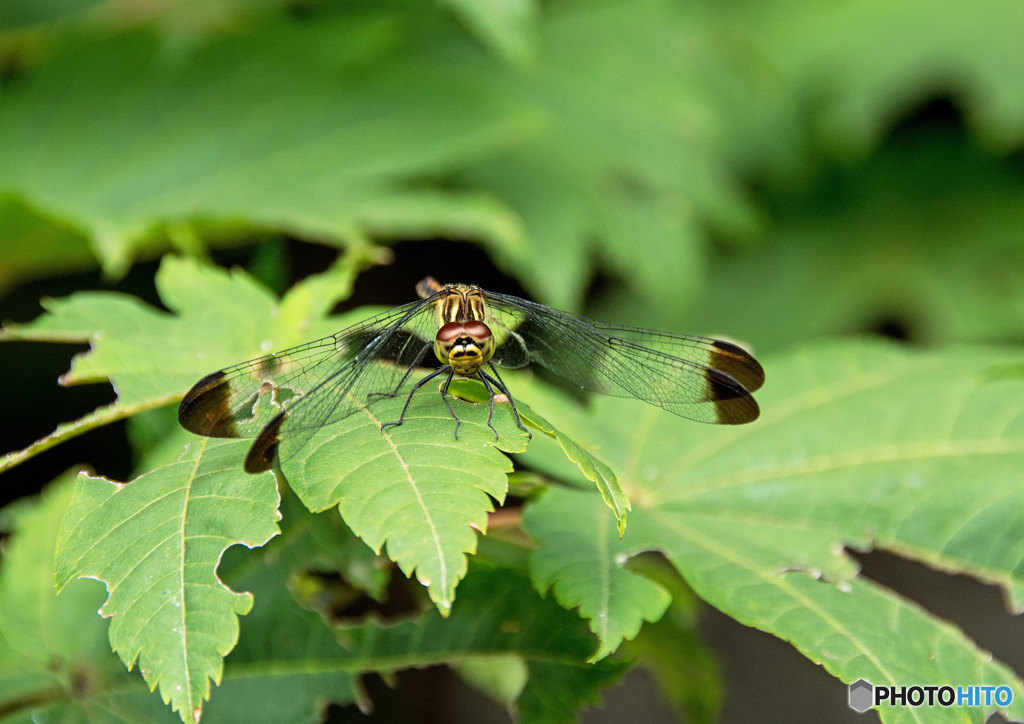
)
(860, 696)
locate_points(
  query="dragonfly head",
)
(466, 346)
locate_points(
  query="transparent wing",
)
(698, 378)
(295, 392)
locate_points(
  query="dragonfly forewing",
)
(239, 401)
(295, 392)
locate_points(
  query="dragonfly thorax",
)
(466, 346)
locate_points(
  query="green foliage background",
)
(792, 174)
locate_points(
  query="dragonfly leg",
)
(412, 368)
(490, 392)
(497, 382)
(412, 392)
(444, 397)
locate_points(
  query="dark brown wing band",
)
(261, 454)
(204, 409)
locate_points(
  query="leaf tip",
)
(444, 607)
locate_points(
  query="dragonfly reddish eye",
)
(450, 332)
(477, 330)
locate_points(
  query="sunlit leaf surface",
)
(156, 543)
(861, 445)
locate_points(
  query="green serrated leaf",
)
(862, 445)
(147, 353)
(151, 358)
(156, 543)
(594, 469)
(307, 304)
(55, 662)
(43, 639)
(39, 626)
(584, 566)
(415, 488)
(288, 662)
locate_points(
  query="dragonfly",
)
(284, 398)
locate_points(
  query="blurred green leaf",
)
(626, 159)
(502, 677)
(340, 128)
(864, 63)
(35, 246)
(923, 238)
(672, 648)
(16, 13)
(507, 26)
(315, 128)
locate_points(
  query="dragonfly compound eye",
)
(479, 331)
(450, 332)
(464, 345)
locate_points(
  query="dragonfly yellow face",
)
(284, 398)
